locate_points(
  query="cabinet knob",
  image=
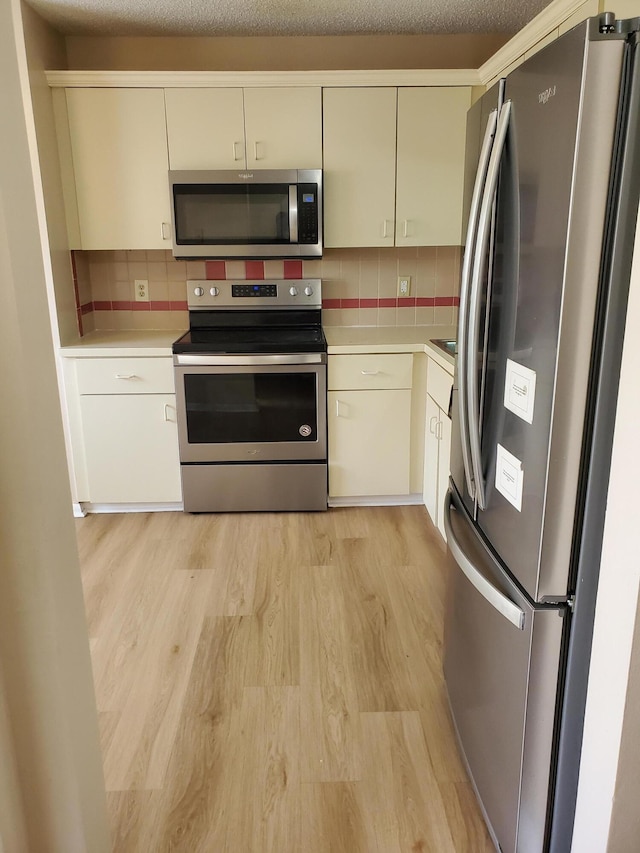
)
(308, 291)
(293, 291)
(198, 291)
(214, 291)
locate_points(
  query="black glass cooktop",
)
(252, 340)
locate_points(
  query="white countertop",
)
(340, 340)
(108, 344)
(398, 339)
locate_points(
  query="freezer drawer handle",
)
(489, 592)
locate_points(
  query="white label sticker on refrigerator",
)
(520, 390)
(509, 477)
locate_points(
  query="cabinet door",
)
(119, 149)
(284, 128)
(369, 442)
(431, 451)
(131, 448)
(205, 128)
(359, 166)
(431, 146)
(444, 456)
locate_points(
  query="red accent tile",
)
(80, 328)
(102, 306)
(87, 308)
(254, 269)
(215, 270)
(443, 301)
(140, 306)
(456, 300)
(349, 303)
(179, 306)
(293, 269)
(160, 306)
(387, 303)
(425, 301)
(73, 266)
(368, 303)
(407, 302)
(330, 303)
(123, 305)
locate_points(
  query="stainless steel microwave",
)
(247, 214)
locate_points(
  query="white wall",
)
(51, 786)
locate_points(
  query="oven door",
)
(251, 408)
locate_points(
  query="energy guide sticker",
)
(520, 390)
(509, 477)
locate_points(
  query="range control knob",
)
(308, 291)
(293, 291)
(214, 291)
(199, 291)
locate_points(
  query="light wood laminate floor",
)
(272, 683)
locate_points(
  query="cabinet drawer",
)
(125, 376)
(439, 384)
(356, 372)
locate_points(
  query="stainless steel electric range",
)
(251, 387)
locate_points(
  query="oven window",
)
(230, 214)
(227, 408)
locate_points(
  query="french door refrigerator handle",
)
(476, 198)
(475, 294)
(488, 591)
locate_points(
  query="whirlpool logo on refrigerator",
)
(544, 97)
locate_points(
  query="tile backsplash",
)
(359, 286)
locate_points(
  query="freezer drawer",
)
(501, 665)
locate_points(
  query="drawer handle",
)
(127, 376)
(439, 431)
(165, 231)
(369, 372)
(342, 410)
(237, 156)
(167, 409)
(432, 425)
(257, 150)
(385, 227)
(405, 228)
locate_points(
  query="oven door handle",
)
(241, 360)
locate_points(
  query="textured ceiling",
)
(286, 17)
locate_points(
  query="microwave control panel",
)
(307, 213)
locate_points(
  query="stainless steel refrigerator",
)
(551, 220)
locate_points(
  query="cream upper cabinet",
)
(283, 127)
(359, 166)
(205, 128)
(431, 146)
(271, 128)
(118, 145)
(394, 165)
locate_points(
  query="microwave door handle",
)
(476, 199)
(293, 213)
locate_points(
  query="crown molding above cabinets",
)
(210, 79)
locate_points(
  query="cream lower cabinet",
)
(437, 442)
(116, 140)
(128, 430)
(369, 424)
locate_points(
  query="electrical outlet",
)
(142, 289)
(404, 285)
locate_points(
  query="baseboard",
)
(377, 500)
(85, 508)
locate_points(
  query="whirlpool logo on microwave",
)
(544, 97)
